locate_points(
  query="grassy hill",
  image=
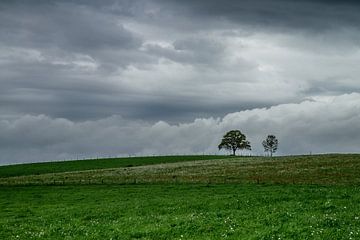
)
(332, 169)
(88, 164)
(293, 197)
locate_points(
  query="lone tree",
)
(270, 144)
(234, 140)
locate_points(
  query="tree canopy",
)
(234, 140)
(270, 144)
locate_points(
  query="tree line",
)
(235, 140)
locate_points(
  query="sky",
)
(86, 78)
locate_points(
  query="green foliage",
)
(234, 140)
(270, 144)
(81, 165)
(180, 212)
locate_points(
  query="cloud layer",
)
(74, 72)
(317, 126)
(160, 60)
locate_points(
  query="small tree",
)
(234, 140)
(270, 144)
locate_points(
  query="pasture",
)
(180, 212)
(298, 197)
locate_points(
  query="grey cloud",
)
(170, 61)
(62, 24)
(201, 51)
(318, 126)
(314, 16)
(62, 28)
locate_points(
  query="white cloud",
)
(310, 126)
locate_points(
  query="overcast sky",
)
(143, 77)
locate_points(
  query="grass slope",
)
(180, 212)
(317, 169)
(80, 165)
(283, 203)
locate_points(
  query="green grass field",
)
(180, 212)
(294, 197)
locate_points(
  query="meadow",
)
(180, 212)
(293, 197)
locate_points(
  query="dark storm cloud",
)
(63, 25)
(66, 51)
(67, 66)
(307, 15)
(55, 54)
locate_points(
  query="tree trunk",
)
(271, 153)
(234, 150)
